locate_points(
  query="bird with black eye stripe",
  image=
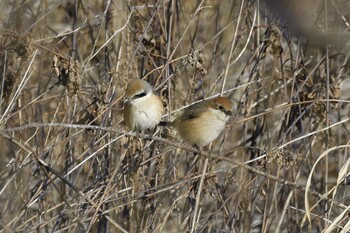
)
(142, 109)
(201, 123)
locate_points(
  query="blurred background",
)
(68, 164)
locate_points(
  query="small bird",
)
(201, 123)
(143, 109)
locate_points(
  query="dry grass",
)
(68, 164)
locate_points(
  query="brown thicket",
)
(69, 165)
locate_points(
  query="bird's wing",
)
(193, 111)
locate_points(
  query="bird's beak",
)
(229, 113)
(126, 99)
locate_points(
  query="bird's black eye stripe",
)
(140, 95)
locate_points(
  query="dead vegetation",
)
(68, 164)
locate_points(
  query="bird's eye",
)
(140, 95)
(222, 108)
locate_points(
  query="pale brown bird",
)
(143, 109)
(201, 123)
